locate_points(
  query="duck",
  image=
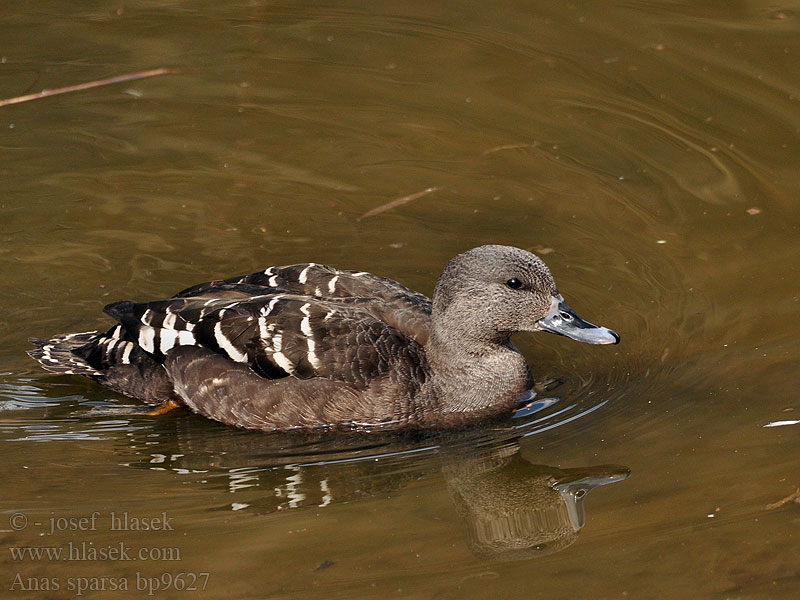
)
(308, 346)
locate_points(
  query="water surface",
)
(646, 150)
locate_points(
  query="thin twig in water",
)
(396, 203)
(89, 85)
(505, 147)
(793, 497)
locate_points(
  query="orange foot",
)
(162, 408)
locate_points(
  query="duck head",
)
(491, 292)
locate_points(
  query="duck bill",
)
(562, 320)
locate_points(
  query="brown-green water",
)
(649, 151)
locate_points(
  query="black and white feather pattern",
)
(302, 321)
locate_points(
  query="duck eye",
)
(514, 283)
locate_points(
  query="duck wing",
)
(385, 299)
(277, 335)
(297, 322)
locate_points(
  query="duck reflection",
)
(511, 508)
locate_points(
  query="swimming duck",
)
(310, 346)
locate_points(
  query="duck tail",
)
(60, 354)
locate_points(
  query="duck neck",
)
(473, 374)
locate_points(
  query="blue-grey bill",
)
(562, 320)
